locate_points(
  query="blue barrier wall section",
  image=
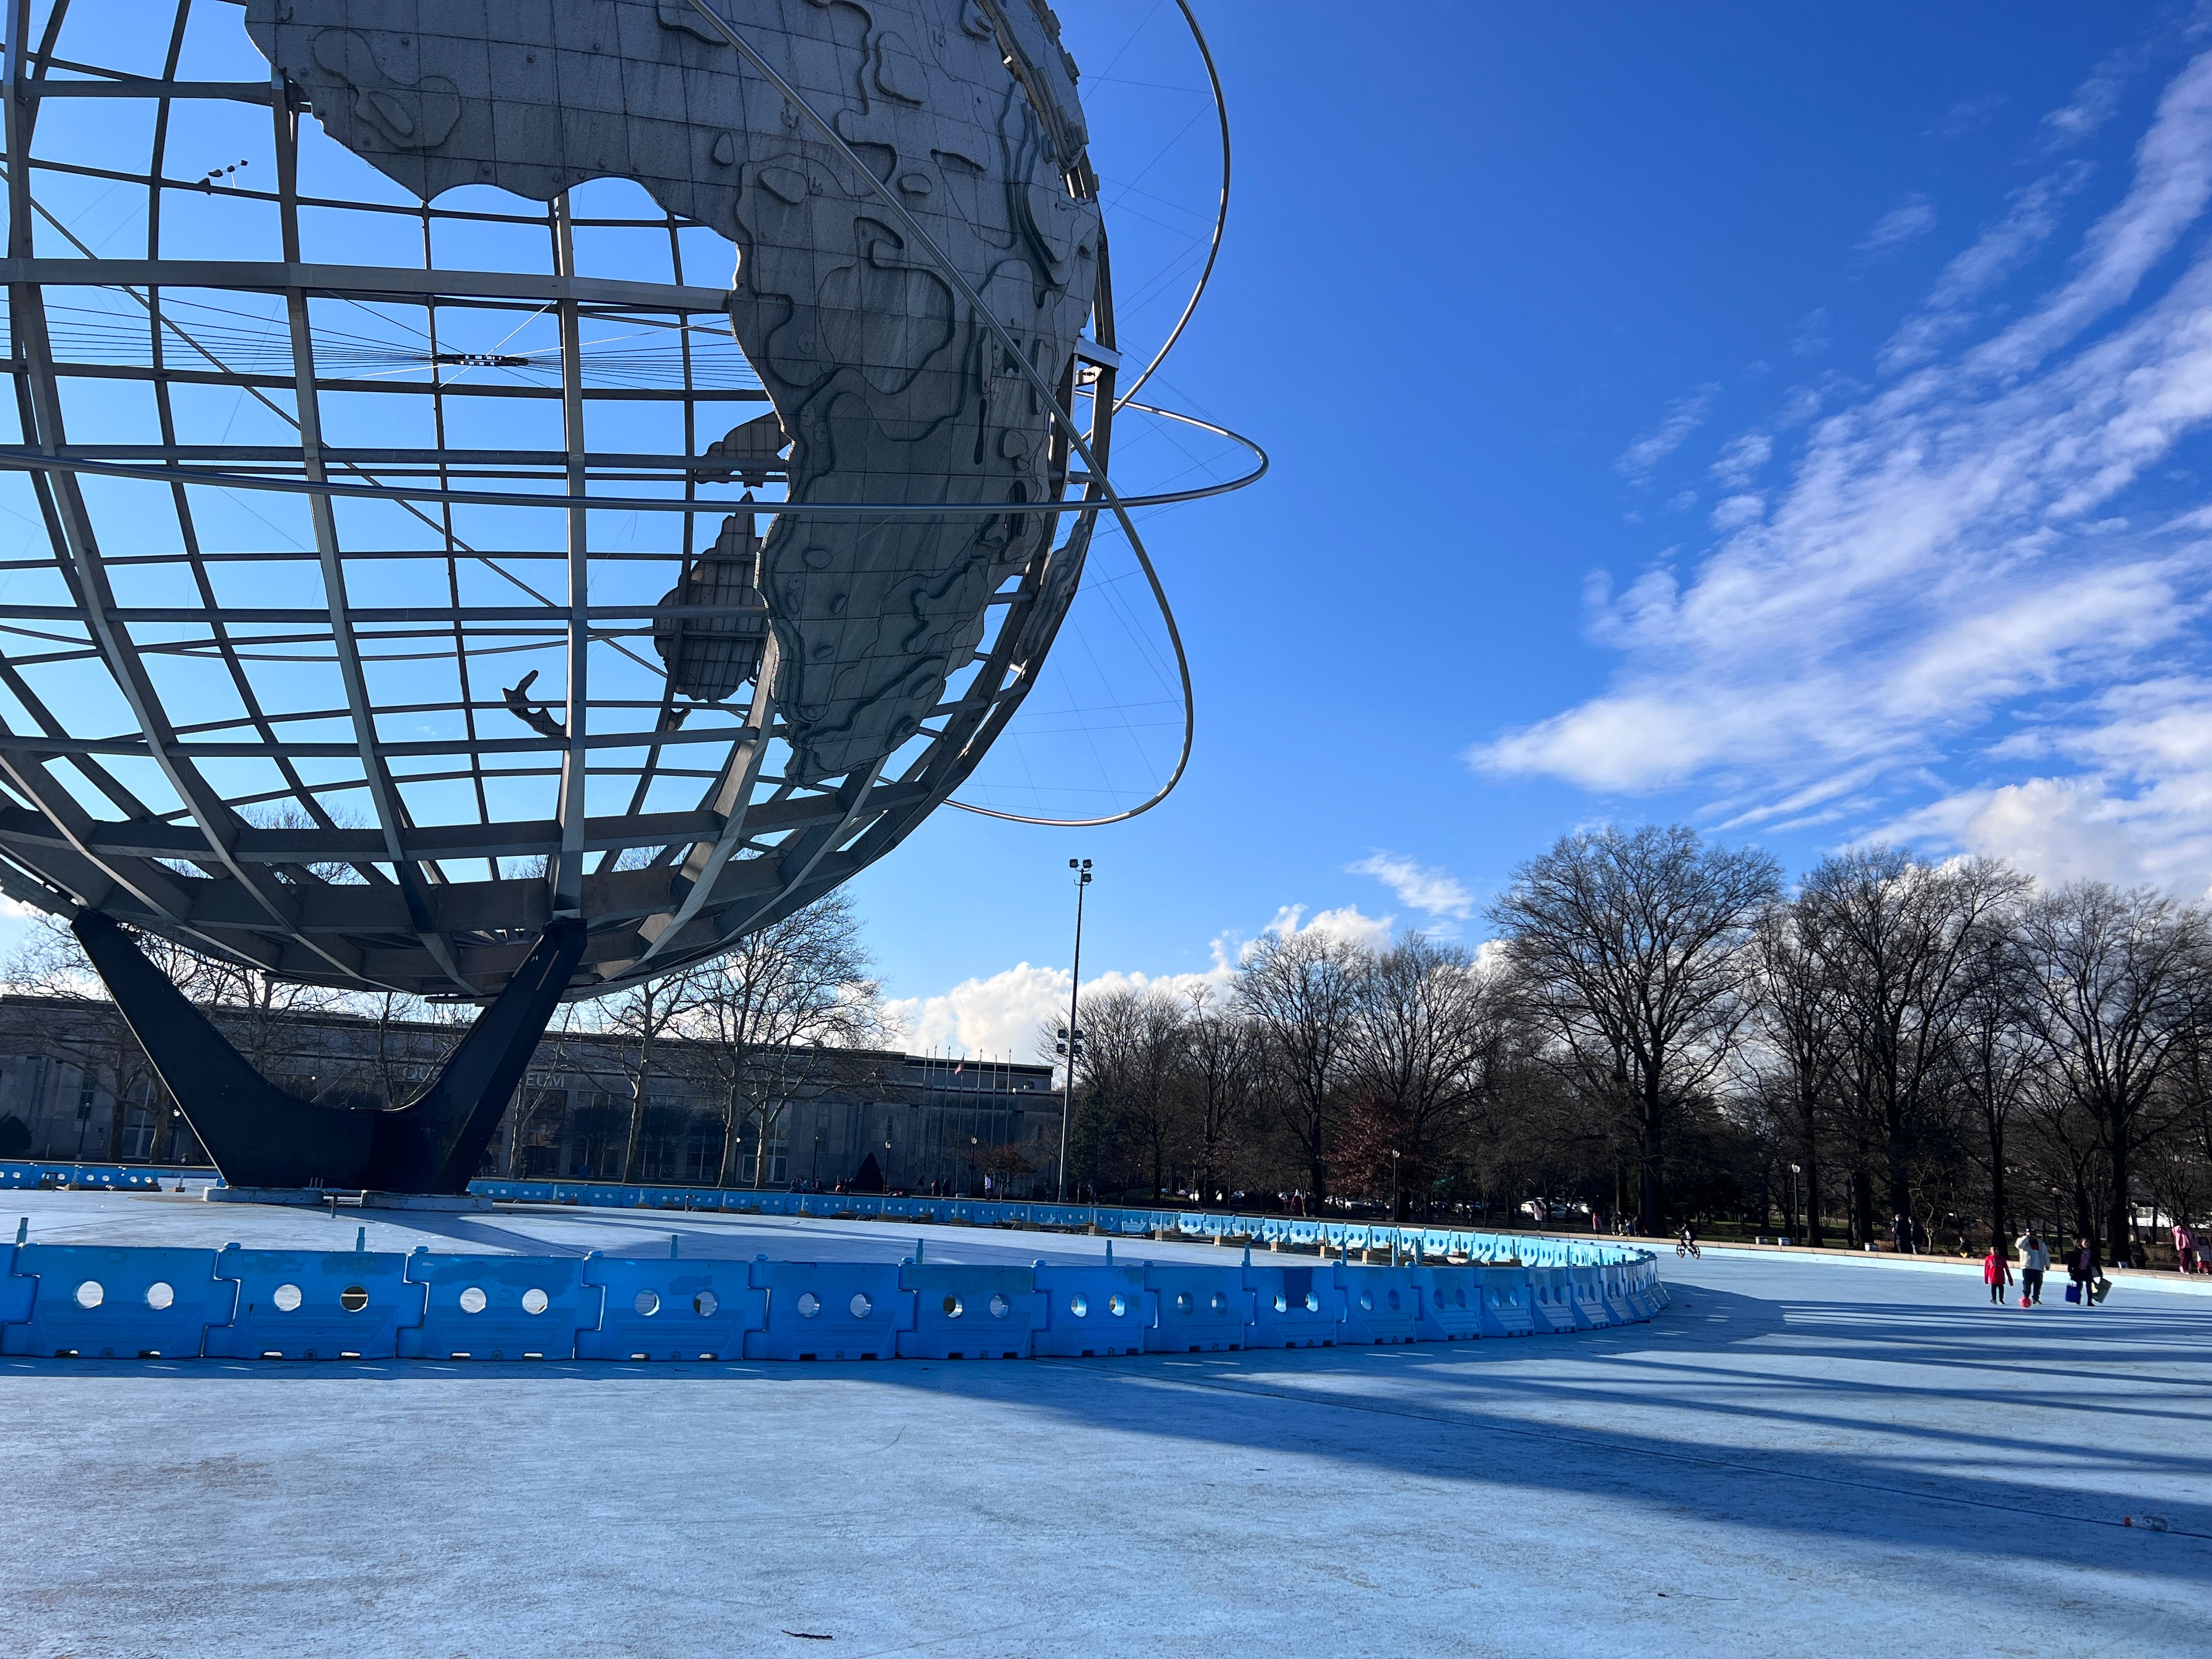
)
(830, 1310)
(124, 1303)
(1449, 1303)
(315, 1304)
(1293, 1307)
(122, 1177)
(1506, 1295)
(500, 1307)
(1380, 1304)
(658, 1309)
(1196, 1309)
(1092, 1311)
(1452, 1285)
(970, 1312)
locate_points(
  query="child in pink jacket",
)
(1997, 1273)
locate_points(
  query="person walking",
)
(2035, 1262)
(1997, 1273)
(2084, 1269)
(2184, 1248)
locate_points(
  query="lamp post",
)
(1793, 1231)
(1071, 1037)
(1394, 1183)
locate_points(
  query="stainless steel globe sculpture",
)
(397, 604)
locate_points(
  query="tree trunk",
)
(2119, 1219)
(1998, 1230)
(1649, 1152)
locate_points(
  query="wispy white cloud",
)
(1683, 415)
(1950, 546)
(2031, 217)
(1423, 887)
(1742, 458)
(1913, 218)
(2094, 103)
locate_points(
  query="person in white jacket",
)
(2034, 1261)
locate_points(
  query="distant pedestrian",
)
(2184, 1248)
(1997, 1273)
(2035, 1262)
(2084, 1269)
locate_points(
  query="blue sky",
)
(1787, 420)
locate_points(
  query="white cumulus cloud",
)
(1435, 892)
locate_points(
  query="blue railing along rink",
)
(121, 1177)
(86, 1301)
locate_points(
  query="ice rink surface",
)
(1799, 1456)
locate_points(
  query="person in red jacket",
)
(1997, 1273)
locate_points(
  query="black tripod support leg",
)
(260, 1136)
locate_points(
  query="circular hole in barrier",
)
(1220, 1304)
(1183, 1302)
(286, 1297)
(860, 1305)
(953, 1307)
(809, 1304)
(1117, 1305)
(535, 1301)
(1079, 1307)
(1367, 1302)
(1282, 1302)
(1313, 1302)
(159, 1295)
(999, 1306)
(1394, 1298)
(90, 1294)
(473, 1300)
(354, 1299)
(646, 1303)
(705, 1302)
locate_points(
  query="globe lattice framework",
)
(395, 590)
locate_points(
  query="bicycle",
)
(1686, 1246)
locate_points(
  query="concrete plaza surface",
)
(1799, 1456)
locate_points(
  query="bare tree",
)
(1301, 990)
(1131, 1065)
(1996, 1056)
(771, 1016)
(2117, 983)
(1897, 936)
(1629, 947)
(1426, 1024)
(1222, 1065)
(1795, 1057)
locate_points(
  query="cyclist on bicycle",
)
(1686, 1244)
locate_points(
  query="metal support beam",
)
(260, 1136)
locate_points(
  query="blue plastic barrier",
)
(830, 1310)
(1551, 1301)
(1092, 1311)
(1197, 1309)
(500, 1307)
(1506, 1302)
(315, 1304)
(963, 1312)
(1293, 1307)
(1449, 1303)
(16, 1294)
(668, 1309)
(1380, 1304)
(109, 1303)
(1586, 1286)
(122, 1177)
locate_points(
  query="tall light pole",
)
(1071, 1037)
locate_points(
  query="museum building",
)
(75, 1086)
